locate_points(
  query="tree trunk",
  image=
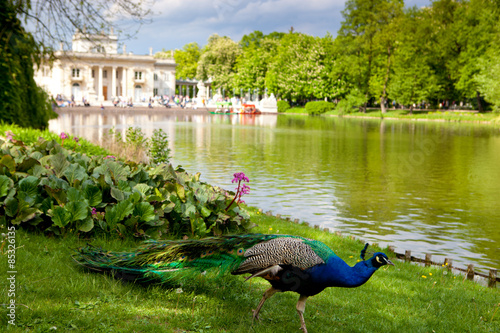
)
(479, 106)
(386, 79)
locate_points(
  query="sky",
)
(176, 23)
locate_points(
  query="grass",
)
(53, 293)
(465, 116)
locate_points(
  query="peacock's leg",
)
(301, 306)
(268, 293)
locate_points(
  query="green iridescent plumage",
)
(172, 259)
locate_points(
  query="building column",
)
(100, 97)
(113, 83)
(124, 82)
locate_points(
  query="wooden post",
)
(428, 259)
(407, 255)
(296, 221)
(470, 272)
(448, 263)
(316, 226)
(492, 282)
(288, 219)
(278, 216)
(326, 230)
(269, 213)
(391, 248)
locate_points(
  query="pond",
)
(428, 187)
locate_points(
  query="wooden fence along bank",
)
(470, 273)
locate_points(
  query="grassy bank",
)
(53, 293)
(454, 116)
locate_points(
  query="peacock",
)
(288, 263)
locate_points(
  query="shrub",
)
(283, 106)
(351, 101)
(318, 107)
(49, 188)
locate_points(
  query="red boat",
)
(249, 108)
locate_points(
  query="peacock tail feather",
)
(171, 260)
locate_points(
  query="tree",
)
(218, 60)
(22, 102)
(413, 79)
(364, 42)
(187, 60)
(55, 21)
(301, 69)
(257, 53)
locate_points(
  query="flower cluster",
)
(9, 135)
(63, 136)
(241, 189)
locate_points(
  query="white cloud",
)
(179, 22)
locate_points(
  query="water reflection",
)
(427, 187)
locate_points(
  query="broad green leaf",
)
(59, 163)
(38, 170)
(205, 211)
(135, 197)
(167, 208)
(60, 216)
(27, 164)
(11, 207)
(118, 171)
(5, 185)
(117, 194)
(74, 195)
(8, 162)
(118, 212)
(78, 210)
(93, 195)
(86, 225)
(29, 185)
(143, 189)
(75, 172)
(144, 211)
(180, 191)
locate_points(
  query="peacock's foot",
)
(255, 315)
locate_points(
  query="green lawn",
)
(54, 294)
(465, 116)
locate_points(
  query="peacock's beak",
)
(389, 262)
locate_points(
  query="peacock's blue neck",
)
(336, 273)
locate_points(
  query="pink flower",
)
(240, 176)
(76, 139)
(9, 135)
(110, 156)
(94, 211)
(63, 136)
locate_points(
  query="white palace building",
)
(94, 70)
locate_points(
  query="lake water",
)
(428, 187)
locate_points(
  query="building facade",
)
(94, 71)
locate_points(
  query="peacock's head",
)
(380, 259)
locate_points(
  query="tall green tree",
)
(301, 69)
(257, 53)
(365, 44)
(413, 79)
(187, 61)
(217, 61)
(22, 102)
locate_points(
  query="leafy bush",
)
(283, 106)
(47, 187)
(318, 107)
(158, 150)
(355, 99)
